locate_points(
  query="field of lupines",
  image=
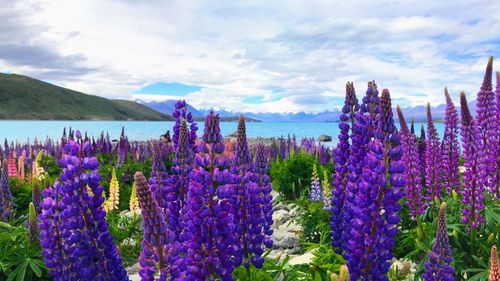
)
(384, 204)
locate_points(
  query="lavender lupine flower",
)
(246, 206)
(341, 176)
(438, 267)
(36, 195)
(422, 147)
(315, 190)
(158, 180)
(157, 250)
(6, 203)
(362, 132)
(74, 232)
(53, 251)
(433, 163)
(264, 182)
(474, 175)
(486, 123)
(497, 176)
(181, 113)
(210, 242)
(122, 149)
(450, 147)
(179, 181)
(376, 203)
(253, 202)
(413, 170)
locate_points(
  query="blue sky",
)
(260, 56)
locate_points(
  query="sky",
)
(253, 56)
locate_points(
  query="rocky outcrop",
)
(325, 138)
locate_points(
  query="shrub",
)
(291, 177)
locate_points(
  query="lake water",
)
(23, 130)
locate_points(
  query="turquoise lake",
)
(22, 130)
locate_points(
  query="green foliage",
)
(314, 220)
(274, 269)
(20, 259)
(127, 234)
(21, 192)
(291, 177)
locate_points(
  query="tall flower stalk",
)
(340, 178)
(376, 203)
(6, 203)
(156, 247)
(413, 170)
(486, 123)
(438, 267)
(450, 147)
(74, 233)
(474, 176)
(315, 189)
(433, 178)
(210, 244)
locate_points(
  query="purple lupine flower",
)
(422, 145)
(53, 251)
(413, 170)
(433, 163)
(372, 236)
(181, 113)
(264, 183)
(450, 147)
(247, 198)
(210, 242)
(341, 174)
(157, 250)
(315, 189)
(158, 179)
(497, 176)
(122, 149)
(36, 194)
(362, 132)
(6, 203)
(486, 123)
(252, 204)
(179, 181)
(73, 222)
(474, 175)
(438, 266)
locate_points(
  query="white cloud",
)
(234, 50)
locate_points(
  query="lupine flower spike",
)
(114, 194)
(413, 170)
(495, 265)
(486, 123)
(339, 223)
(6, 203)
(438, 267)
(474, 175)
(450, 147)
(376, 203)
(315, 193)
(433, 163)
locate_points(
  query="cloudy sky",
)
(284, 56)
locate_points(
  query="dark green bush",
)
(291, 177)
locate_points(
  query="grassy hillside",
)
(22, 97)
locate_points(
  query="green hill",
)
(22, 97)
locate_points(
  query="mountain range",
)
(419, 113)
